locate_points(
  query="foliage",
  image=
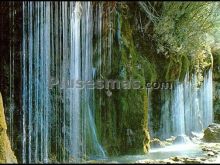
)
(180, 33)
(181, 27)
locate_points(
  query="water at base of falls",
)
(185, 109)
(58, 122)
(189, 151)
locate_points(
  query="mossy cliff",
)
(216, 83)
(121, 114)
(161, 46)
(6, 153)
(180, 36)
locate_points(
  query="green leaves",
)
(181, 26)
(181, 30)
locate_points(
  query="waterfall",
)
(12, 73)
(207, 96)
(58, 122)
(177, 109)
(185, 109)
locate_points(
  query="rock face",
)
(212, 133)
(6, 153)
(216, 98)
(216, 80)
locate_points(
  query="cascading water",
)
(185, 109)
(58, 123)
(12, 73)
(68, 41)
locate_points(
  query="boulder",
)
(212, 133)
(156, 143)
(6, 153)
(170, 140)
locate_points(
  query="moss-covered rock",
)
(173, 70)
(185, 67)
(121, 117)
(216, 65)
(6, 153)
(212, 133)
(216, 100)
(147, 53)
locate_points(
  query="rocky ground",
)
(211, 155)
(208, 146)
(209, 142)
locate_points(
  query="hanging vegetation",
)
(180, 31)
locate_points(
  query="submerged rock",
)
(156, 143)
(212, 133)
(211, 153)
(6, 153)
(186, 160)
(170, 140)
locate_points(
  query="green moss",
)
(150, 73)
(122, 117)
(216, 66)
(201, 62)
(137, 68)
(173, 70)
(185, 67)
(137, 58)
(146, 141)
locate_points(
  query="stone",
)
(211, 153)
(150, 161)
(6, 153)
(170, 140)
(2, 115)
(212, 133)
(156, 143)
(185, 160)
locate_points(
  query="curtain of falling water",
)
(75, 74)
(36, 62)
(98, 20)
(178, 117)
(104, 32)
(186, 108)
(58, 123)
(11, 71)
(207, 90)
(88, 124)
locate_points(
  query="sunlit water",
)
(58, 118)
(183, 105)
(183, 150)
